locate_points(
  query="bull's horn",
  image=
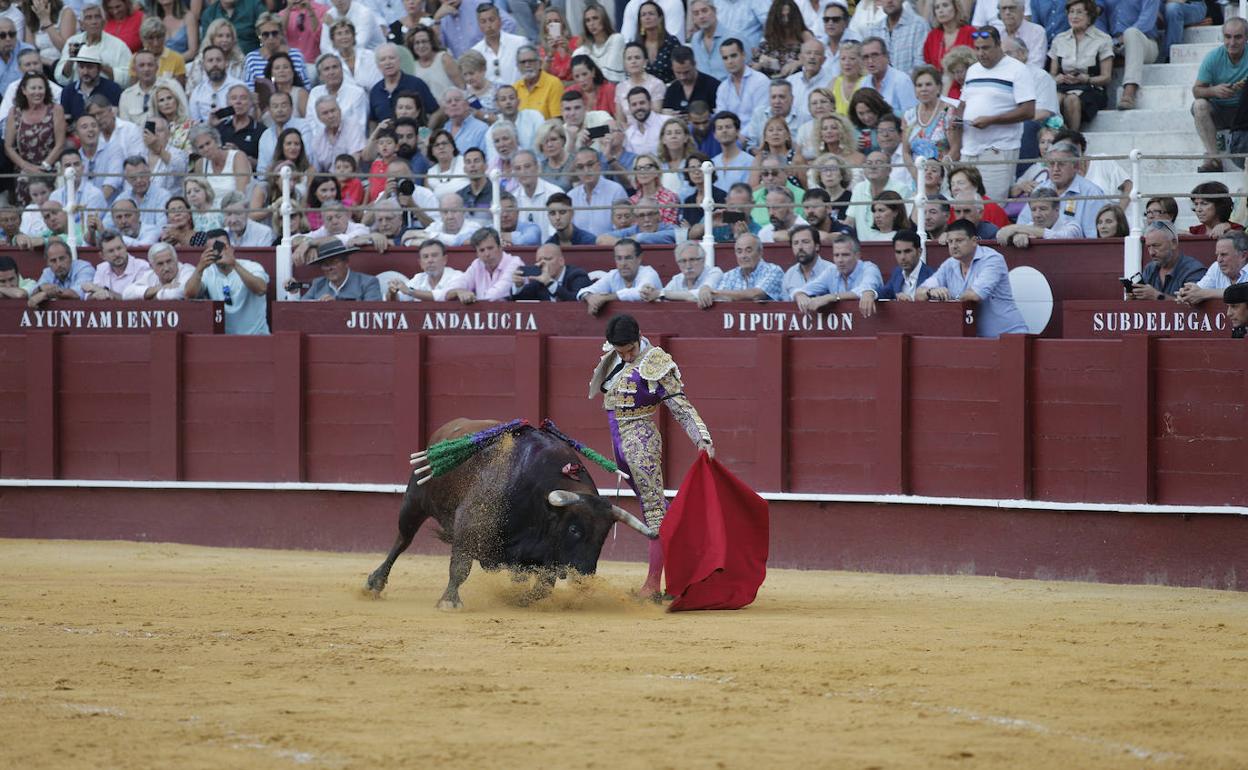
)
(624, 517)
(562, 498)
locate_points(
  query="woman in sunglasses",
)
(646, 183)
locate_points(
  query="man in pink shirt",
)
(491, 276)
(117, 270)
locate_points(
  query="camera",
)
(732, 217)
(294, 284)
(223, 113)
(407, 187)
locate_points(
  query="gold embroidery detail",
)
(655, 364)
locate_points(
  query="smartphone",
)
(1127, 283)
(554, 29)
(597, 132)
(224, 112)
(150, 126)
(217, 246)
(732, 217)
(531, 270)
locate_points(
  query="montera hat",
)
(1235, 294)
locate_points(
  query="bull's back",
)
(460, 426)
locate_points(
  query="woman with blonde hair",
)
(777, 142)
(836, 137)
(600, 42)
(646, 182)
(819, 103)
(556, 44)
(675, 146)
(852, 75)
(169, 102)
(49, 25)
(829, 173)
(954, 67)
(949, 31)
(224, 170)
(551, 141)
(221, 34)
(200, 195)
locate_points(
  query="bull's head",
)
(562, 498)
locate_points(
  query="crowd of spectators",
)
(178, 120)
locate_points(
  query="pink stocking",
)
(656, 567)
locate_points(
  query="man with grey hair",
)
(467, 130)
(11, 46)
(1046, 222)
(779, 105)
(242, 230)
(650, 227)
(148, 197)
(210, 95)
(113, 54)
(1219, 84)
(851, 278)
(695, 282)
(782, 215)
(498, 46)
(538, 89)
(242, 129)
(395, 81)
(167, 278)
(352, 100)
(1170, 270)
(1047, 104)
(337, 226)
(453, 227)
(124, 217)
(331, 136)
(1230, 267)
(531, 190)
(1063, 162)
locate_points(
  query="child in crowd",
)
(383, 149)
(345, 168)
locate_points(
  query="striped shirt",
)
(254, 64)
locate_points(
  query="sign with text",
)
(735, 319)
(1092, 319)
(91, 317)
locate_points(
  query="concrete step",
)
(1164, 98)
(1170, 74)
(1147, 142)
(1209, 34)
(1166, 184)
(1111, 121)
(1190, 53)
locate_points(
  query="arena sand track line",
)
(117, 654)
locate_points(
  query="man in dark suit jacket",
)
(558, 281)
(338, 282)
(908, 274)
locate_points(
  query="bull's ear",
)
(562, 498)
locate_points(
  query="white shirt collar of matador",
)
(654, 363)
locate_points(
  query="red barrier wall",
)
(1131, 420)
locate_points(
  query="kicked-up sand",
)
(139, 655)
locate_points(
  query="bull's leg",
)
(410, 519)
(461, 565)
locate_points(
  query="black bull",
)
(525, 503)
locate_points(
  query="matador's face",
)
(628, 353)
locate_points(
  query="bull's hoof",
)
(374, 586)
(450, 604)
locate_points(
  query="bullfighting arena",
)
(118, 654)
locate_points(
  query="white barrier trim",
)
(969, 502)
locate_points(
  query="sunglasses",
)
(270, 33)
(981, 35)
(833, 19)
(5, 35)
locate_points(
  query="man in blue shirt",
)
(63, 277)
(752, 278)
(395, 81)
(10, 49)
(240, 283)
(893, 84)
(851, 278)
(975, 273)
(594, 192)
(1063, 162)
(1169, 270)
(559, 212)
(706, 41)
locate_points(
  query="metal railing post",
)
(284, 251)
(920, 203)
(708, 211)
(496, 206)
(71, 205)
(1131, 249)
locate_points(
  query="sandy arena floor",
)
(167, 656)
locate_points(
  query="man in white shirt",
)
(625, 282)
(779, 104)
(281, 110)
(745, 87)
(812, 75)
(101, 163)
(694, 283)
(992, 117)
(1014, 27)
(87, 196)
(210, 95)
(242, 230)
(332, 137)
(149, 198)
(337, 226)
(436, 281)
(531, 190)
(125, 137)
(137, 99)
(114, 54)
(454, 228)
(125, 220)
(783, 215)
(369, 30)
(167, 278)
(642, 133)
(498, 47)
(352, 100)
(1046, 222)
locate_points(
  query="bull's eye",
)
(574, 531)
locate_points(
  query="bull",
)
(524, 503)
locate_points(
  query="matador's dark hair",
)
(622, 329)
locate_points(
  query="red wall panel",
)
(1076, 421)
(830, 428)
(349, 414)
(469, 378)
(13, 423)
(103, 407)
(227, 408)
(954, 397)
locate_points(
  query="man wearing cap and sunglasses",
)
(239, 283)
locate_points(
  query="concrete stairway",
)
(1162, 123)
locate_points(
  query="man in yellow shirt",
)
(538, 90)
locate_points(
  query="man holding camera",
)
(239, 283)
(551, 278)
